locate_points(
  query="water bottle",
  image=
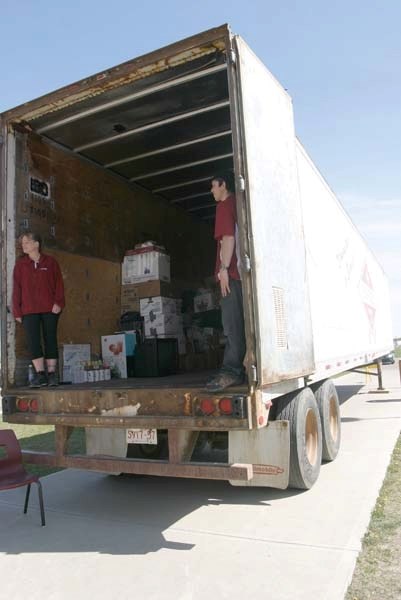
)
(31, 373)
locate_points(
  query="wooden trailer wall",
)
(89, 219)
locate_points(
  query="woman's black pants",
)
(45, 324)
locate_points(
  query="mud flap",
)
(267, 449)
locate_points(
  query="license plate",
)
(141, 436)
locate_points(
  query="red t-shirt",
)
(36, 289)
(225, 224)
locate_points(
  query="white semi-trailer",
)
(127, 155)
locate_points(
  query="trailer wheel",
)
(329, 409)
(301, 410)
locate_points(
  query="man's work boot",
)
(223, 380)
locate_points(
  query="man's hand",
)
(224, 283)
(18, 319)
(56, 309)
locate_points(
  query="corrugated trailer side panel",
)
(349, 294)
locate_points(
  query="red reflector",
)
(22, 404)
(207, 406)
(33, 405)
(226, 406)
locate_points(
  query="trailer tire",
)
(301, 410)
(329, 409)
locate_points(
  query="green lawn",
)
(41, 438)
(377, 572)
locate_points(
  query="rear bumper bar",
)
(153, 422)
(107, 464)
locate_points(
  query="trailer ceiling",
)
(168, 132)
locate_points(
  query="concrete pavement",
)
(160, 538)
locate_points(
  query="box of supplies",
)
(74, 357)
(205, 300)
(161, 324)
(145, 264)
(159, 305)
(116, 349)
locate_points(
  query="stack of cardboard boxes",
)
(163, 319)
(162, 330)
(146, 288)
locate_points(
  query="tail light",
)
(234, 406)
(22, 404)
(34, 405)
(208, 406)
(226, 406)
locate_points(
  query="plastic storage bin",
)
(156, 357)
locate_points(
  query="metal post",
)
(379, 374)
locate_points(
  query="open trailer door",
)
(284, 345)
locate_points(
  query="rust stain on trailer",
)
(75, 94)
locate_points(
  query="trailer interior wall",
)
(91, 219)
(348, 290)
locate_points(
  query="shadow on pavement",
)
(380, 401)
(92, 512)
(345, 392)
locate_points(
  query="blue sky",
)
(340, 62)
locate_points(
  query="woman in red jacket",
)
(38, 299)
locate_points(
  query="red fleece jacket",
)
(37, 288)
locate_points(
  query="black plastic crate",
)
(156, 357)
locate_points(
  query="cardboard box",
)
(132, 293)
(129, 299)
(115, 350)
(205, 300)
(145, 266)
(159, 305)
(161, 324)
(73, 358)
(73, 374)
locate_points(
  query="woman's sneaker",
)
(52, 379)
(39, 380)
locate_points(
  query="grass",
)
(41, 439)
(377, 572)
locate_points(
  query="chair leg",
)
(28, 489)
(42, 510)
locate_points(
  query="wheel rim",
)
(311, 436)
(333, 418)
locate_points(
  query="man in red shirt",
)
(227, 274)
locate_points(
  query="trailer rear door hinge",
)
(247, 263)
(232, 56)
(254, 372)
(241, 183)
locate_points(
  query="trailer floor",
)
(191, 380)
